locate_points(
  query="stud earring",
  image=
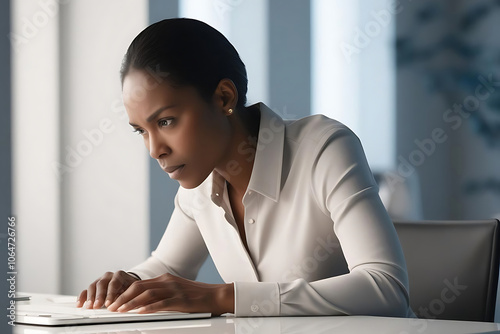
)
(230, 111)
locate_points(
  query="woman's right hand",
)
(105, 290)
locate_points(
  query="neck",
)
(237, 167)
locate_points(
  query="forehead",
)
(142, 89)
(139, 82)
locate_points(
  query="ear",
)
(226, 95)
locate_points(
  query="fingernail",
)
(110, 306)
(88, 304)
(121, 308)
(107, 303)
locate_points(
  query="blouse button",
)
(249, 192)
(251, 221)
(254, 308)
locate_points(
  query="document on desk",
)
(64, 312)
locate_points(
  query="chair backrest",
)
(452, 267)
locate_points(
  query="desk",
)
(274, 325)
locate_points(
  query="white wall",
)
(353, 73)
(35, 136)
(92, 216)
(334, 77)
(105, 215)
(249, 35)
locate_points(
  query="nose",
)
(157, 147)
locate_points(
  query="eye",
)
(165, 122)
(138, 131)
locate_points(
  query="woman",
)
(288, 210)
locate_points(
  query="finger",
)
(90, 295)
(81, 299)
(133, 291)
(136, 288)
(161, 305)
(117, 286)
(149, 296)
(102, 289)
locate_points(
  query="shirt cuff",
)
(134, 274)
(256, 299)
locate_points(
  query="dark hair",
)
(191, 52)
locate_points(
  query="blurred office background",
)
(418, 81)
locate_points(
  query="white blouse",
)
(320, 239)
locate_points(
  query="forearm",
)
(368, 291)
(373, 292)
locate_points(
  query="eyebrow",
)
(153, 115)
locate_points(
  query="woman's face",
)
(179, 128)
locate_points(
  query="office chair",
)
(452, 267)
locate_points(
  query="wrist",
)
(224, 298)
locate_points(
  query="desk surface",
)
(274, 325)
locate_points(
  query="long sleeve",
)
(181, 250)
(377, 282)
(320, 241)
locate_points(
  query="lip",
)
(172, 168)
(175, 171)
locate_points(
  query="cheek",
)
(210, 138)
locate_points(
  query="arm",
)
(170, 268)
(181, 251)
(166, 277)
(377, 283)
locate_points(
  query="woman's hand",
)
(105, 290)
(171, 293)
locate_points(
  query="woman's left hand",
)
(171, 293)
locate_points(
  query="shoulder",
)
(331, 158)
(316, 131)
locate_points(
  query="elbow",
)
(397, 303)
(393, 297)
(395, 308)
